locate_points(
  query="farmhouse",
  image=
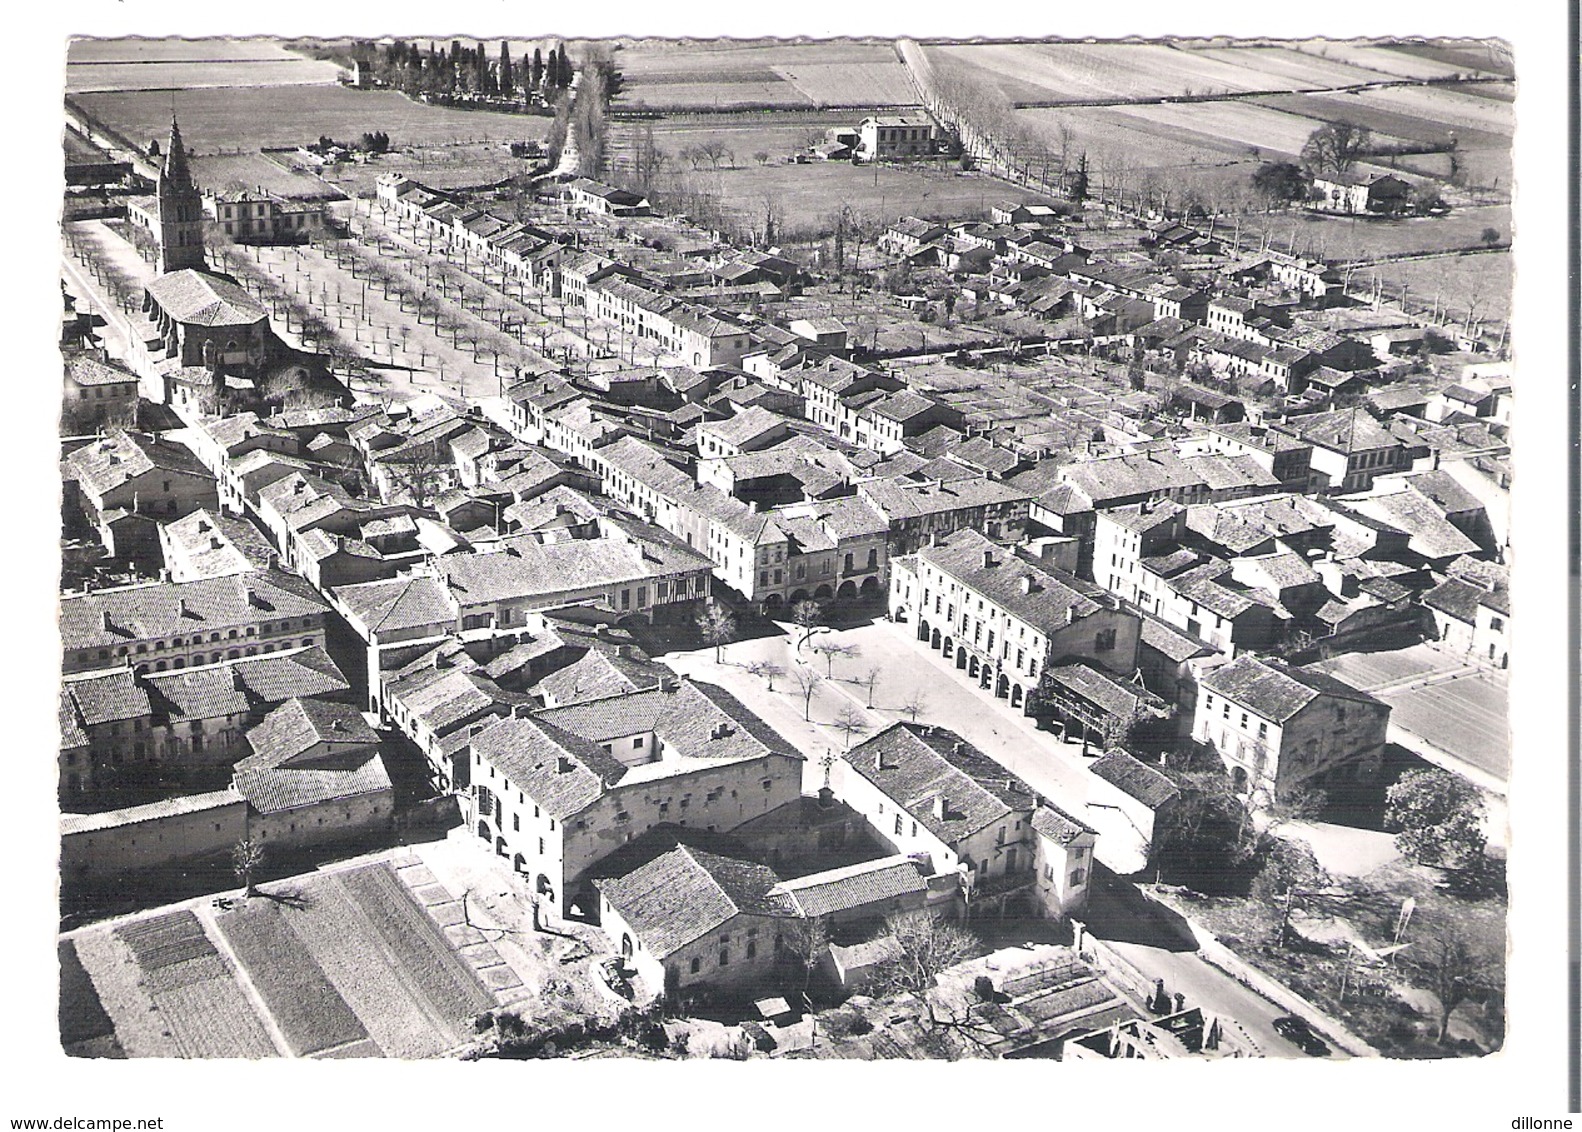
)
(1377, 193)
(884, 136)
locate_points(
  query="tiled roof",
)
(1431, 534)
(85, 369)
(72, 734)
(120, 458)
(205, 300)
(1115, 697)
(687, 893)
(597, 675)
(1346, 431)
(154, 811)
(916, 765)
(400, 603)
(562, 772)
(108, 697)
(899, 499)
(1135, 778)
(693, 719)
(299, 725)
(529, 570)
(235, 687)
(271, 788)
(1060, 827)
(854, 886)
(1461, 598)
(1049, 593)
(165, 609)
(1276, 691)
(1175, 645)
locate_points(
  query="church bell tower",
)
(180, 210)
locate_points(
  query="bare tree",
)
(807, 681)
(930, 942)
(916, 704)
(767, 670)
(247, 856)
(850, 723)
(829, 650)
(1455, 972)
(807, 615)
(869, 680)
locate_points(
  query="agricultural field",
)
(806, 196)
(779, 134)
(1084, 72)
(345, 964)
(675, 75)
(166, 990)
(1346, 237)
(1399, 63)
(352, 963)
(1480, 283)
(94, 51)
(85, 78)
(257, 170)
(257, 117)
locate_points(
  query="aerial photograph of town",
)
(869, 548)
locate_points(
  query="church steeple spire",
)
(176, 172)
(180, 209)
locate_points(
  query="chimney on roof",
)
(564, 765)
(1027, 583)
(298, 486)
(988, 559)
(878, 760)
(521, 711)
(955, 748)
(1071, 614)
(941, 807)
(215, 543)
(667, 683)
(186, 610)
(104, 617)
(720, 731)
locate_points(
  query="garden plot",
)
(303, 1003)
(169, 992)
(365, 972)
(86, 1030)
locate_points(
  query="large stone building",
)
(1279, 727)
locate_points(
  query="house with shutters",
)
(559, 789)
(1279, 727)
(929, 795)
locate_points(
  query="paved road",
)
(1143, 937)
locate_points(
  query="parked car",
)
(1296, 1031)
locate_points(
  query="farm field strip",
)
(82, 1015)
(305, 1006)
(139, 1027)
(424, 953)
(101, 77)
(251, 118)
(1463, 55)
(1071, 71)
(175, 50)
(1388, 60)
(355, 959)
(213, 1018)
(1239, 124)
(1288, 65)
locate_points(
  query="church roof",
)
(201, 299)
